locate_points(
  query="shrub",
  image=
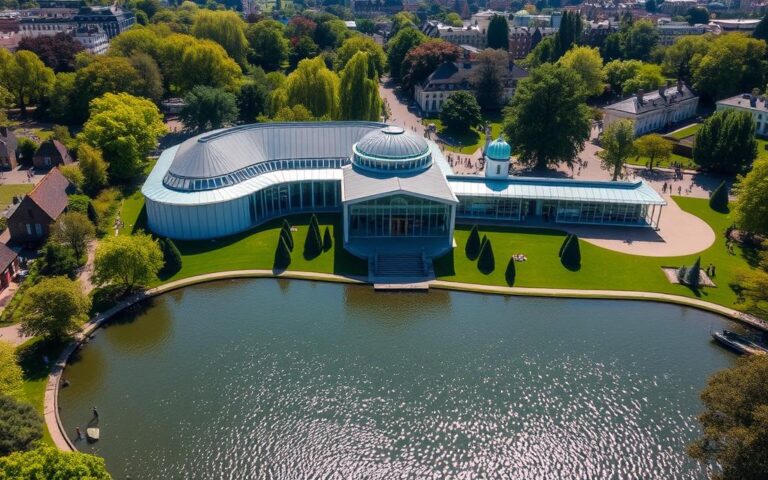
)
(718, 201)
(288, 235)
(11, 377)
(486, 262)
(314, 243)
(20, 426)
(58, 259)
(79, 203)
(282, 254)
(691, 275)
(511, 272)
(327, 240)
(472, 249)
(565, 242)
(571, 257)
(171, 257)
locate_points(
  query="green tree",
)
(297, 113)
(654, 147)
(125, 128)
(498, 33)
(315, 87)
(187, 61)
(26, 77)
(726, 142)
(571, 256)
(402, 20)
(697, 15)
(488, 78)
(685, 52)
(282, 254)
(749, 208)
(127, 261)
(94, 168)
(461, 112)
(21, 427)
(207, 108)
(269, 48)
(568, 34)
(422, 60)
(136, 40)
(74, 230)
(611, 47)
(648, 77)
(287, 234)
(252, 101)
(172, 261)
(618, 145)
(734, 63)
(51, 463)
(331, 34)
(547, 119)
(562, 246)
(313, 245)
(761, 31)
(53, 308)
(27, 149)
(718, 200)
(327, 240)
(104, 74)
(73, 174)
(151, 85)
(56, 51)
(587, 63)
(57, 259)
(304, 47)
(11, 381)
(225, 28)
(361, 43)
(453, 19)
(511, 272)
(472, 248)
(359, 91)
(486, 262)
(543, 52)
(735, 421)
(398, 47)
(60, 98)
(639, 40)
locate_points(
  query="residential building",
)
(8, 147)
(746, 25)
(92, 38)
(29, 221)
(656, 110)
(754, 105)
(112, 19)
(452, 77)
(10, 41)
(51, 153)
(471, 36)
(45, 26)
(671, 31)
(9, 266)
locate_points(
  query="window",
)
(29, 229)
(38, 229)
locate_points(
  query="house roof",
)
(430, 183)
(7, 256)
(51, 148)
(653, 100)
(461, 73)
(51, 194)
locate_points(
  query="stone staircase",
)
(400, 266)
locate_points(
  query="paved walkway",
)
(12, 335)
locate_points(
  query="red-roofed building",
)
(31, 219)
(9, 266)
(51, 153)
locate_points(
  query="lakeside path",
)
(50, 401)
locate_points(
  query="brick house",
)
(8, 147)
(9, 266)
(30, 220)
(51, 153)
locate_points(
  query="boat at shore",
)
(738, 343)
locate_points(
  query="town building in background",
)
(757, 106)
(655, 110)
(92, 38)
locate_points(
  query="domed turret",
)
(391, 149)
(497, 155)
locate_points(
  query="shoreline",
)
(50, 400)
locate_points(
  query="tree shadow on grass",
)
(32, 355)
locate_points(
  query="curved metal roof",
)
(224, 151)
(392, 142)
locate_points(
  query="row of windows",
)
(399, 216)
(201, 184)
(294, 197)
(393, 165)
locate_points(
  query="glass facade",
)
(294, 197)
(600, 213)
(399, 216)
(490, 207)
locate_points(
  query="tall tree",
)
(21, 427)
(225, 28)
(654, 147)
(547, 119)
(125, 129)
(94, 168)
(423, 59)
(361, 43)
(26, 77)
(56, 51)
(639, 40)
(498, 33)
(618, 145)
(207, 108)
(252, 100)
(398, 47)
(49, 462)
(587, 63)
(53, 308)
(461, 112)
(151, 85)
(104, 74)
(697, 15)
(488, 78)
(74, 230)
(315, 87)
(726, 142)
(402, 20)
(127, 261)
(359, 91)
(735, 421)
(269, 48)
(679, 56)
(734, 63)
(761, 31)
(331, 34)
(648, 77)
(568, 34)
(750, 212)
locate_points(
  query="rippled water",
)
(271, 379)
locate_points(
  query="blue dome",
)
(498, 150)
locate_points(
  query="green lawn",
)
(687, 163)
(133, 214)
(7, 192)
(601, 268)
(255, 249)
(469, 142)
(686, 132)
(36, 372)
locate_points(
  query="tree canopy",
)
(20, 426)
(225, 28)
(461, 112)
(53, 308)
(488, 78)
(127, 261)
(207, 108)
(654, 147)
(26, 77)
(75, 230)
(498, 33)
(56, 51)
(734, 63)
(359, 90)
(423, 59)
(94, 168)
(398, 47)
(726, 142)
(361, 43)
(314, 86)
(587, 63)
(51, 463)
(618, 145)
(269, 47)
(547, 119)
(750, 209)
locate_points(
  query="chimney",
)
(640, 93)
(752, 101)
(663, 91)
(680, 86)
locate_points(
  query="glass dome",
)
(391, 149)
(498, 150)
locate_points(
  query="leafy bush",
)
(314, 243)
(327, 240)
(20, 426)
(57, 259)
(171, 257)
(511, 272)
(282, 254)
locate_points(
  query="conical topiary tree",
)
(313, 245)
(472, 249)
(511, 272)
(327, 240)
(692, 274)
(718, 201)
(288, 234)
(486, 263)
(282, 254)
(571, 257)
(171, 257)
(565, 242)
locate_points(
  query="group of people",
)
(710, 270)
(519, 257)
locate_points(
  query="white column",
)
(345, 222)
(453, 225)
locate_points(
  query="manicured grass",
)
(7, 192)
(686, 132)
(255, 249)
(36, 372)
(674, 158)
(469, 142)
(601, 268)
(133, 214)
